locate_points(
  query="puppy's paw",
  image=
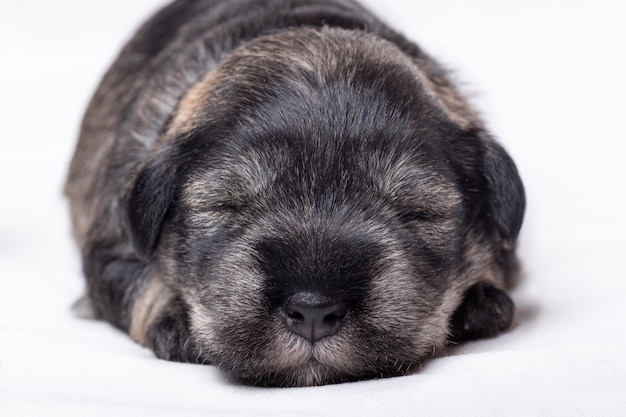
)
(160, 321)
(170, 339)
(484, 312)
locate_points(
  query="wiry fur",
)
(241, 151)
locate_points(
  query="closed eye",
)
(227, 207)
(421, 215)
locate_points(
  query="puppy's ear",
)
(507, 200)
(491, 183)
(147, 199)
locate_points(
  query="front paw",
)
(484, 312)
(170, 339)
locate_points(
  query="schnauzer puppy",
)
(292, 191)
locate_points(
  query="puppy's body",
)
(292, 191)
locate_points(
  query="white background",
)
(549, 78)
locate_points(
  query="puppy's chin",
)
(311, 373)
(301, 364)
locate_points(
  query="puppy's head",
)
(318, 212)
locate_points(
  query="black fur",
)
(145, 204)
(169, 336)
(484, 312)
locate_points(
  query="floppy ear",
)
(488, 176)
(507, 200)
(147, 198)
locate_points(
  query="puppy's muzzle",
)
(313, 316)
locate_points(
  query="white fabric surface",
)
(552, 87)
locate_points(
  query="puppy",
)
(292, 191)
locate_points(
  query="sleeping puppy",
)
(292, 191)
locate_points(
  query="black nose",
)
(313, 316)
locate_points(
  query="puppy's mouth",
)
(302, 364)
(285, 359)
(307, 365)
(290, 360)
(293, 351)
